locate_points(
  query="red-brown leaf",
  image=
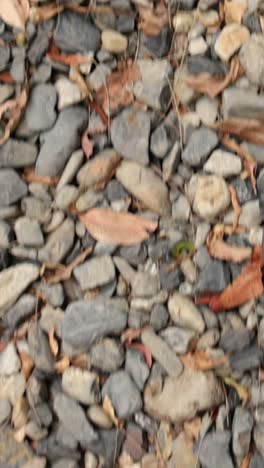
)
(87, 144)
(144, 350)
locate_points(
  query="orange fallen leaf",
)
(6, 77)
(248, 285)
(247, 129)
(87, 144)
(29, 176)
(109, 410)
(261, 375)
(119, 228)
(38, 14)
(142, 349)
(130, 335)
(77, 78)
(219, 249)
(236, 207)
(201, 360)
(27, 364)
(118, 90)
(62, 364)
(56, 55)
(246, 461)
(151, 21)
(192, 428)
(54, 346)
(211, 85)
(100, 111)
(82, 361)
(14, 12)
(14, 108)
(3, 345)
(62, 272)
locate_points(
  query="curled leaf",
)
(201, 360)
(87, 145)
(144, 350)
(246, 461)
(121, 228)
(29, 176)
(6, 77)
(39, 14)
(63, 273)
(53, 342)
(27, 364)
(77, 78)
(130, 335)
(182, 248)
(219, 249)
(242, 392)
(62, 364)
(109, 410)
(236, 206)
(14, 107)
(247, 129)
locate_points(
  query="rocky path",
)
(131, 210)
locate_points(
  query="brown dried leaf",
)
(246, 461)
(144, 350)
(55, 54)
(77, 78)
(201, 360)
(219, 249)
(63, 273)
(247, 129)
(87, 144)
(29, 176)
(54, 346)
(118, 90)
(14, 12)
(261, 375)
(248, 285)
(14, 107)
(211, 85)
(6, 77)
(38, 14)
(120, 228)
(62, 364)
(192, 428)
(130, 335)
(27, 364)
(109, 409)
(152, 22)
(235, 10)
(236, 207)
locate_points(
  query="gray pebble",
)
(123, 394)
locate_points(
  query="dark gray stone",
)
(40, 349)
(72, 416)
(21, 310)
(235, 340)
(130, 135)
(108, 445)
(159, 317)
(4, 57)
(85, 322)
(199, 64)
(170, 280)
(237, 103)
(241, 429)
(66, 438)
(123, 394)
(158, 249)
(12, 187)
(256, 461)
(252, 22)
(41, 414)
(134, 254)
(160, 44)
(125, 23)
(248, 359)
(107, 355)
(51, 449)
(16, 153)
(244, 190)
(214, 450)
(40, 114)
(214, 277)
(59, 143)
(17, 69)
(200, 144)
(38, 47)
(136, 367)
(115, 191)
(179, 339)
(75, 33)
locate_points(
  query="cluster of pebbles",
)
(96, 367)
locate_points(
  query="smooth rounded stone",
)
(98, 77)
(70, 169)
(81, 385)
(68, 92)
(209, 339)
(5, 234)
(183, 21)
(6, 91)
(130, 132)
(85, 322)
(241, 429)
(59, 142)
(183, 455)
(95, 272)
(74, 33)
(113, 41)
(12, 387)
(72, 416)
(90, 460)
(156, 46)
(144, 184)
(65, 196)
(197, 46)
(65, 463)
(134, 254)
(184, 93)
(12, 187)
(214, 277)
(41, 414)
(34, 432)
(37, 209)
(54, 221)
(256, 460)
(9, 360)
(44, 97)
(51, 318)
(88, 200)
(250, 215)
(123, 394)
(171, 161)
(207, 109)
(238, 103)
(160, 142)
(107, 355)
(247, 359)
(159, 317)
(28, 232)
(5, 411)
(13, 282)
(199, 391)
(138, 318)
(230, 39)
(255, 236)
(16, 153)
(98, 169)
(65, 438)
(99, 417)
(254, 69)
(59, 243)
(214, 450)
(169, 280)
(39, 349)
(236, 340)
(144, 284)
(115, 191)
(184, 313)
(53, 292)
(189, 270)
(209, 195)
(153, 88)
(162, 353)
(223, 163)
(136, 367)
(243, 189)
(146, 304)
(4, 56)
(178, 339)
(199, 64)
(200, 144)
(181, 209)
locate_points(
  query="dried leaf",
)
(82, 361)
(38, 14)
(242, 392)
(144, 350)
(118, 90)
(192, 428)
(247, 129)
(54, 346)
(30, 176)
(219, 249)
(14, 107)
(261, 375)
(235, 10)
(62, 364)
(236, 207)
(105, 120)
(55, 54)
(109, 410)
(20, 435)
(246, 461)
(111, 227)
(14, 12)
(125, 461)
(152, 22)
(130, 335)
(201, 360)
(248, 285)
(6, 77)
(27, 364)
(77, 78)
(3, 345)
(63, 273)
(211, 85)
(87, 145)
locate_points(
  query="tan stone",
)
(230, 40)
(113, 41)
(235, 10)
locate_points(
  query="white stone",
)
(9, 360)
(223, 163)
(68, 92)
(184, 313)
(255, 236)
(113, 41)
(210, 195)
(197, 46)
(12, 387)
(207, 109)
(81, 385)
